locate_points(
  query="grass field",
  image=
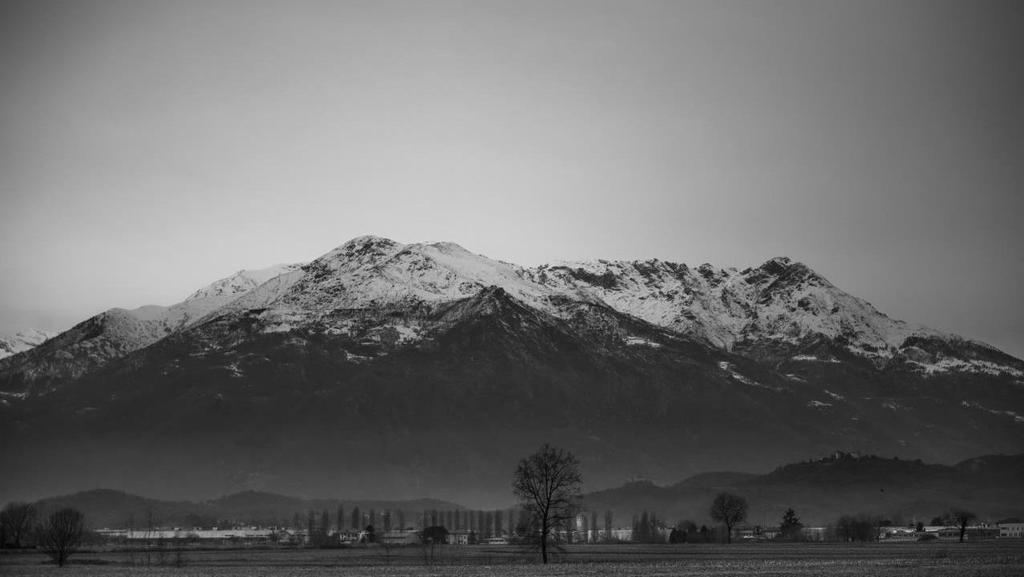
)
(1003, 558)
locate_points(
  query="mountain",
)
(22, 341)
(117, 332)
(393, 369)
(821, 490)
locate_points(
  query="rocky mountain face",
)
(385, 369)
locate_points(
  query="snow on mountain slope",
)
(23, 341)
(207, 299)
(780, 301)
(700, 303)
(241, 282)
(778, 308)
(372, 273)
(117, 332)
(373, 288)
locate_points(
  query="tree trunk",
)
(544, 541)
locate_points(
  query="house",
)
(1011, 530)
(898, 534)
(622, 534)
(400, 537)
(347, 535)
(461, 537)
(755, 533)
(814, 533)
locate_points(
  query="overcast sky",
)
(148, 148)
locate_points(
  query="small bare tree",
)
(61, 535)
(729, 509)
(548, 483)
(963, 518)
(16, 522)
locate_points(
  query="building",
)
(898, 534)
(400, 537)
(814, 533)
(461, 537)
(622, 534)
(755, 533)
(243, 536)
(1011, 530)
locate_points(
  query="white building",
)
(1011, 530)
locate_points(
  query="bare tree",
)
(548, 483)
(729, 509)
(61, 535)
(15, 522)
(962, 518)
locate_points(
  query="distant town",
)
(242, 536)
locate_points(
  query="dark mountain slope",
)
(226, 405)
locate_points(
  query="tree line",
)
(58, 534)
(548, 485)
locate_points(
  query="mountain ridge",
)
(820, 490)
(430, 368)
(775, 312)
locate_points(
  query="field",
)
(977, 559)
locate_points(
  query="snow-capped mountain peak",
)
(374, 271)
(241, 282)
(23, 341)
(117, 332)
(781, 310)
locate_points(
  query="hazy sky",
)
(148, 148)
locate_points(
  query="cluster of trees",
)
(356, 520)
(864, 527)
(486, 523)
(957, 518)
(688, 532)
(17, 521)
(482, 523)
(858, 527)
(321, 530)
(647, 528)
(727, 509)
(59, 534)
(590, 526)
